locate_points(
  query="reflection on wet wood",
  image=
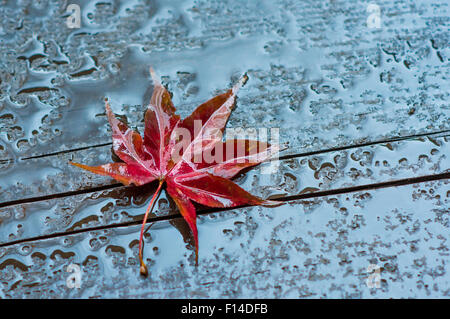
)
(365, 113)
(305, 249)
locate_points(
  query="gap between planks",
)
(327, 150)
(117, 185)
(138, 219)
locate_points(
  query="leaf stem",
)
(143, 269)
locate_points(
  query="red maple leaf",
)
(188, 155)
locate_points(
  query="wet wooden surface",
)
(365, 179)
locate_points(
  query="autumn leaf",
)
(188, 155)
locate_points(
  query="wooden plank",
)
(313, 248)
(321, 87)
(301, 175)
(49, 175)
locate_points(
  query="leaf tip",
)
(242, 81)
(143, 270)
(272, 203)
(107, 106)
(155, 78)
(75, 164)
